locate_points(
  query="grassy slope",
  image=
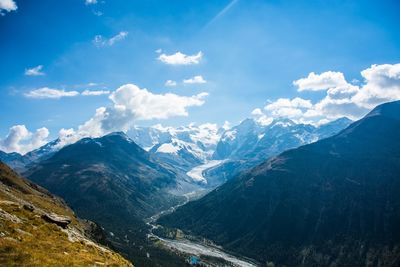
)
(27, 240)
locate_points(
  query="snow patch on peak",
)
(229, 135)
(168, 148)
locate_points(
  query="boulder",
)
(60, 220)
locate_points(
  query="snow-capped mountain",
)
(240, 147)
(21, 162)
(251, 139)
(184, 147)
(249, 143)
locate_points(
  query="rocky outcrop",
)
(62, 221)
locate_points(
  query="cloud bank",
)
(129, 105)
(342, 99)
(20, 139)
(7, 5)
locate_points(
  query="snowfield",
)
(197, 172)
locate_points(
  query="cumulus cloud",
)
(257, 112)
(95, 92)
(19, 139)
(342, 99)
(323, 81)
(170, 83)
(382, 85)
(181, 59)
(226, 126)
(283, 107)
(130, 104)
(7, 5)
(35, 71)
(46, 92)
(195, 80)
(101, 41)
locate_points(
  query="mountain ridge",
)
(335, 201)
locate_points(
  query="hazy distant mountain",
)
(335, 202)
(22, 162)
(113, 182)
(184, 147)
(13, 159)
(252, 140)
(44, 152)
(250, 143)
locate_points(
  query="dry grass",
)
(30, 241)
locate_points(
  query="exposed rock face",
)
(62, 221)
(32, 221)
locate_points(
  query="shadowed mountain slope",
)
(333, 202)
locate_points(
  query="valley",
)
(193, 133)
(206, 252)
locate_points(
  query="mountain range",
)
(335, 202)
(21, 163)
(114, 182)
(250, 143)
(119, 180)
(185, 147)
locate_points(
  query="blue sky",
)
(252, 51)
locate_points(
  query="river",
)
(192, 247)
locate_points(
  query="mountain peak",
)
(119, 133)
(285, 122)
(390, 109)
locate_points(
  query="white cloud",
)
(95, 92)
(260, 117)
(289, 103)
(195, 80)
(36, 71)
(101, 41)
(181, 59)
(381, 84)
(226, 125)
(323, 81)
(170, 83)
(90, 2)
(98, 13)
(46, 92)
(7, 5)
(20, 139)
(257, 112)
(158, 51)
(146, 105)
(130, 104)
